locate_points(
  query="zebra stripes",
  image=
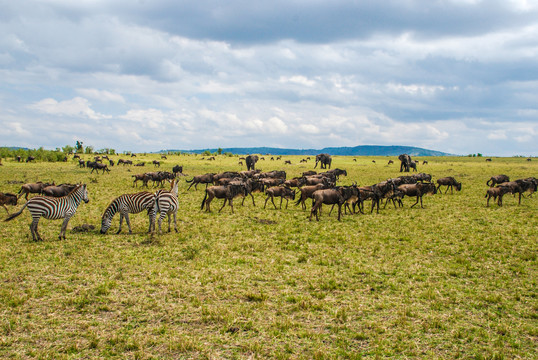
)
(166, 203)
(53, 208)
(126, 204)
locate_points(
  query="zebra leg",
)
(160, 222)
(175, 222)
(64, 226)
(33, 230)
(126, 216)
(169, 220)
(121, 222)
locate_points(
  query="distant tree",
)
(478, 154)
(219, 151)
(79, 147)
(206, 153)
(68, 149)
(88, 150)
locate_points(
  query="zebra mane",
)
(111, 209)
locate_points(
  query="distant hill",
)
(361, 150)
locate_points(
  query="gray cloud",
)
(458, 76)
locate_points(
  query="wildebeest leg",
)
(273, 201)
(339, 209)
(5, 207)
(519, 199)
(314, 210)
(266, 201)
(231, 204)
(330, 211)
(416, 202)
(224, 204)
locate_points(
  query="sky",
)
(459, 76)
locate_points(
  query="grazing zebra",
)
(165, 203)
(53, 208)
(125, 204)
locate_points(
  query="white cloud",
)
(76, 107)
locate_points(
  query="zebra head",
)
(106, 220)
(85, 194)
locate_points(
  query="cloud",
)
(77, 107)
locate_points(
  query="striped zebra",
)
(165, 203)
(125, 204)
(53, 208)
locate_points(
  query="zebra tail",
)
(14, 215)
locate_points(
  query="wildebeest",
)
(413, 165)
(30, 158)
(177, 170)
(35, 188)
(7, 199)
(449, 182)
(201, 179)
(520, 186)
(306, 193)
(81, 163)
(422, 177)
(328, 197)
(279, 191)
(288, 162)
(496, 192)
(390, 162)
(497, 179)
(58, 190)
(96, 166)
(324, 159)
(488, 160)
(156, 163)
(418, 190)
(251, 161)
(228, 193)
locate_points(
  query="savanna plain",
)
(455, 279)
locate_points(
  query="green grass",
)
(452, 280)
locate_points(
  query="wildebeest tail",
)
(14, 215)
(203, 201)
(189, 181)
(487, 182)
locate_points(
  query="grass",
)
(452, 280)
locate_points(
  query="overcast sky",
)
(459, 76)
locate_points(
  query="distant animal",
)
(126, 204)
(329, 197)
(53, 208)
(177, 170)
(405, 161)
(240, 163)
(7, 199)
(390, 162)
(30, 158)
(324, 159)
(413, 165)
(424, 162)
(529, 159)
(164, 157)
(156, 163)
(81, 163)
(488, 160)
(449, 182)
(287, 162)
(373, 161)
(96, 166)
(251, 161)
(497, 179)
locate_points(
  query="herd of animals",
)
(62, 201)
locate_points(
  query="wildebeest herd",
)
(61, 201)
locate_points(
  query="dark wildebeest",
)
(36, 188)
(248, 173)
(81, 163)
(309, 172)
(140, 164)
(288, 162)
(424, 162)
(405, 161)
(228, 193)
(488, 160)
(111, 162)
(96, 166)
(328, 197)
(390, 162)
(423, 177)
(201, 179)
(324, 159)
(156, 163)
(177, 170)
(58, 191)
(7, 199)
(279, 191)
(295, 182)
(497, 179)
(418, 190)
(496, 192)
(307, 192)
(251, 161)
(413, 165)
(520, 186)
(449, 182)
(30, 158)
(529, 159)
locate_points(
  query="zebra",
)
(165, 203)
(125, 204)
(53, 208)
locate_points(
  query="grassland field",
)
(455, 280)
